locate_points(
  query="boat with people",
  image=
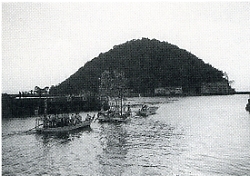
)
(147, 110)
(58, 123)
(116, 112)
(113, 114)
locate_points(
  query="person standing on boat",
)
(45, 121)
(57, 120)
(129, 107)
(53, 119)
(50, 121)
(78, 118)
(67, 120)
(88, 117)
(124, 107)
(61, 120)
(73, 119)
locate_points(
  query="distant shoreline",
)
(243, 92)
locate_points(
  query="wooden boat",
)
(146, 111)
(42, 128)
(113, 116)
(115, 113)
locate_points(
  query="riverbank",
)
(27, 106)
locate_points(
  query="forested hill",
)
(146, 64)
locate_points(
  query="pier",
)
(27, 106)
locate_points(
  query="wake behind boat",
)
(62, 123)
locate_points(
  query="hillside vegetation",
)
(146, 64)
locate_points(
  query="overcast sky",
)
(44, 43)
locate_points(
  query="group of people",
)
(114, 111)
(60, 120)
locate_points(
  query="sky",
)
(44, 43)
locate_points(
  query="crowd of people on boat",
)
(115, 111)
(60, 120)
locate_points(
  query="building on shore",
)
(216, 88)
(162, 91)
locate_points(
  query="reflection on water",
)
(63, 137)
(153, 146)
(187, 136)
(113, 141)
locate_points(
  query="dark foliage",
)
(147, 64)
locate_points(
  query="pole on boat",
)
(45, 106)
(33, 128)
(121, 100)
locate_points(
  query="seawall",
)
(13, 106)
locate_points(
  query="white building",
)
(168, 91)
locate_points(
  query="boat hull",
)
(63, 129)
(116, 118)
(147, 112)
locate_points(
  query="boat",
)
(147, 110)
(115, 113)
(65, 123)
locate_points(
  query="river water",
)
(206, 135)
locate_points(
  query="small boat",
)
(115, 113)
(48, 124)
(112, 115)
(146, 111)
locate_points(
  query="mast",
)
(121, 101)
(45, 106)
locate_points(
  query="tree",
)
(111, 82)
(230, 82)
(40, 91)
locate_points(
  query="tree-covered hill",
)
(147, 64)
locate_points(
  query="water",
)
(188, 136)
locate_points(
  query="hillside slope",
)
(147, 64)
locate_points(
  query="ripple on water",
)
(184, 137)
